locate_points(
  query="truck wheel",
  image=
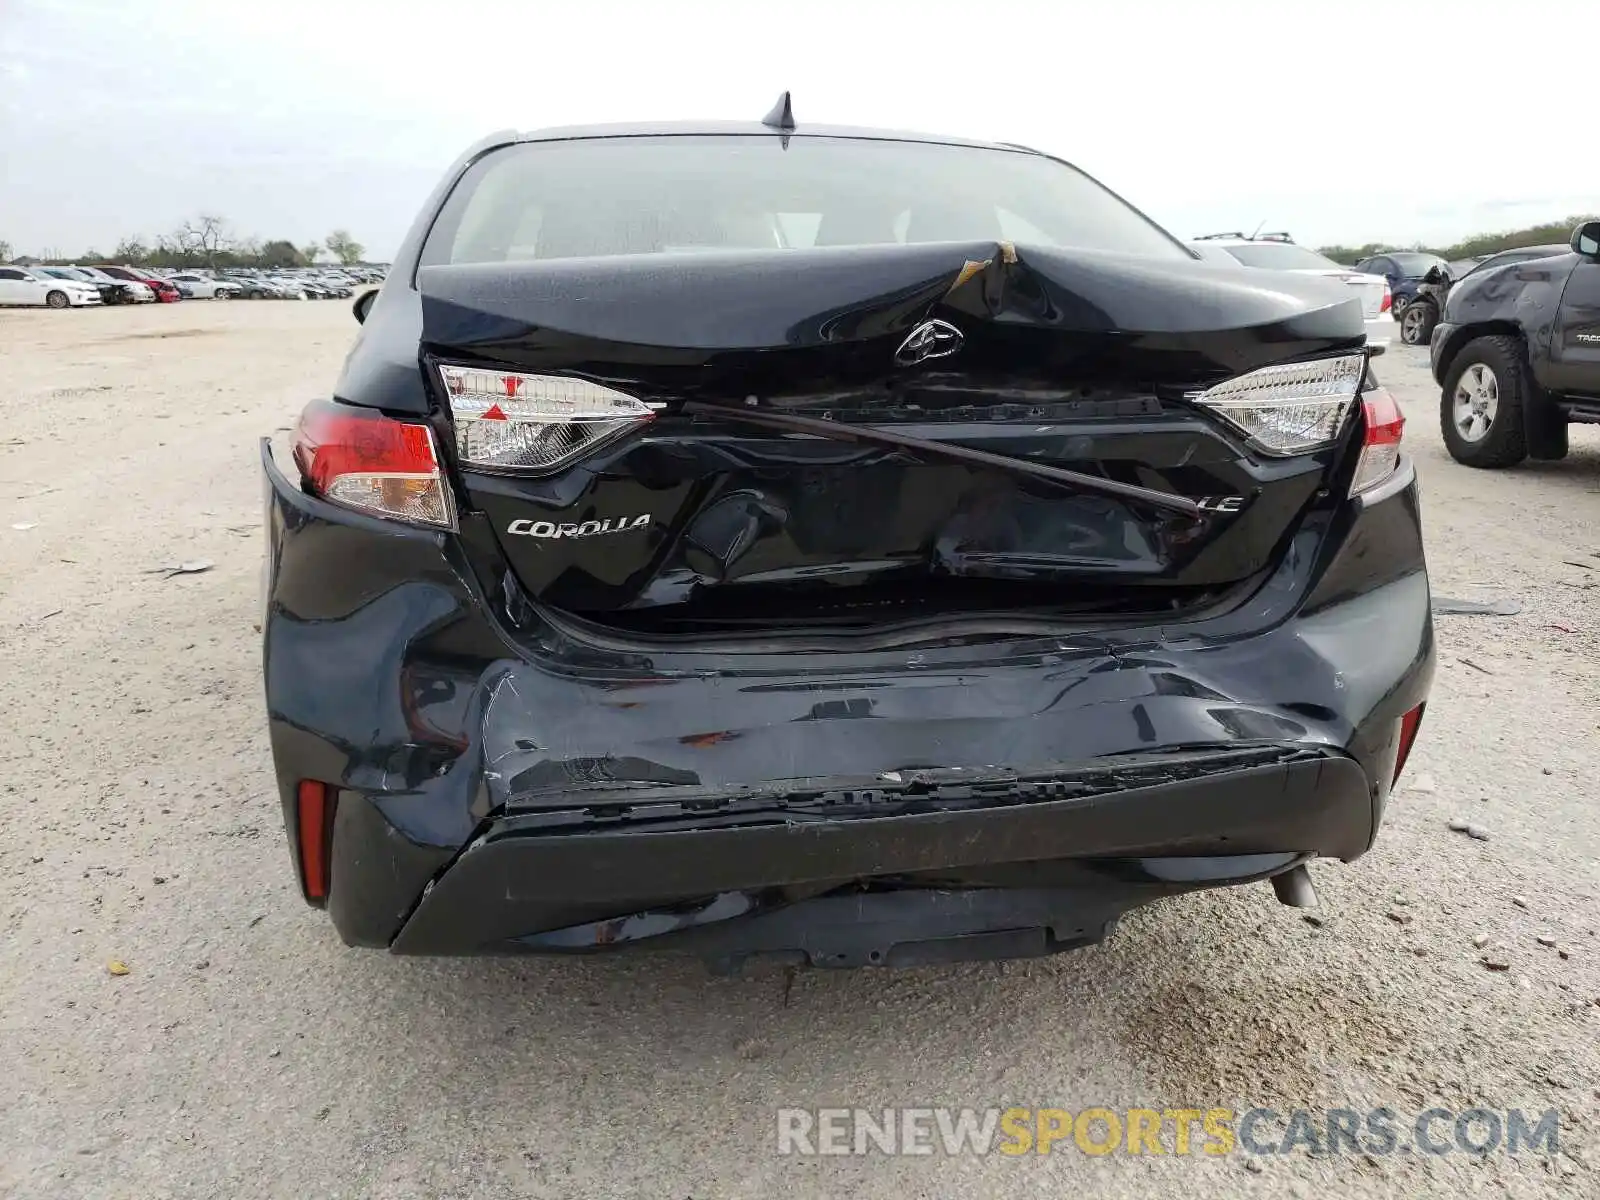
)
(1480, 409)
(1417, 322)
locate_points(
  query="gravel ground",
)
(247, 1053)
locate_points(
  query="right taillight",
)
(1291, 408)
(511, 421)
(364, 460)
(1380, 446)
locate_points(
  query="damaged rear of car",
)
(836, 545)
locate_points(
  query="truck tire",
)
(1480, 408)
(1417, 322)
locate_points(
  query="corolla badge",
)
(931, 339)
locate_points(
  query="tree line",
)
(1479, 243)
(206, 241)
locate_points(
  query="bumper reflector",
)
(314, 821)
(1408, 735)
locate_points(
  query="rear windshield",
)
(1416, 264)
(1280, 256)
(597, 197)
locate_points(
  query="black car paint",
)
(507, 773)
(1549, 304)
(401, 666)
(816, 334)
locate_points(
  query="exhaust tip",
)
(1293, 888)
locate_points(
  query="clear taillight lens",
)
(364, 460)
(1380, 448)
(509, 421)
(1290, 408)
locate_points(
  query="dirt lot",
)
(247, 1053)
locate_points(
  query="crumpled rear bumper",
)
(1152, 824)
(501, 781)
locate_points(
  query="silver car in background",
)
(1276, 252)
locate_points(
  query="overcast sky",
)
(293, 117)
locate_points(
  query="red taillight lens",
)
(1388, 298)
(1408, 736)
(367, 461)
(1380, 450)
(314, 831)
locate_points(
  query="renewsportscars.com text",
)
(1178, 1132)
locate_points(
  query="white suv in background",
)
(1277, 252)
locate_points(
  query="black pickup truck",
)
(1517, 356)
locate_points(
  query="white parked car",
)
(18, 285)
(288, 289)
(203, 287)
(1275, 252)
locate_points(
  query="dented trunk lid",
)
(1080, 360)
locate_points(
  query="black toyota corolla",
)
(837, 545)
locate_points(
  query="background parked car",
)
(337, 287)
(1405, 271)
(165, 291)
(1517, 354)
(203, 287)
(252, 287)
(1275, 252)
(19, 285)
(287, 288)
(1422, 314)
(136, 290)
(111, 292)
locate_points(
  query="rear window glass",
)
(1280, 256)
(1416, 264)
(597, 197)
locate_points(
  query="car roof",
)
(740, 129)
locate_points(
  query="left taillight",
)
(514, 423)
(362, 459)
(1388, 298)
